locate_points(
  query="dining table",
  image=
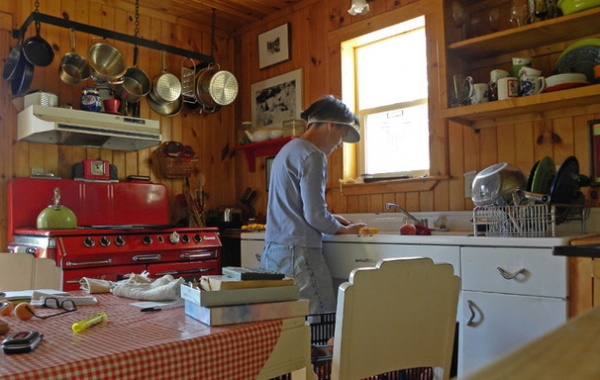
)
(571, 351)
(163, 343)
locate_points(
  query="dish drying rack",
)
(534, 220)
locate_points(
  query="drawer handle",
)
(75, 263)
(149, 257)
(510, 276)
(197, 255)
(473, 308)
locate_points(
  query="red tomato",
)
(408, 229)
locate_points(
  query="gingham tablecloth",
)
(140, 345)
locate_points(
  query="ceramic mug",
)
(517, 63)
(479, 93)
(531, 85)
(508, 88)
(529, 72)
(494, 76)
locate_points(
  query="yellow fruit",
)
(6, 307)
(22, 311)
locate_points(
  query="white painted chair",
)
(400, 314)
(22, 271)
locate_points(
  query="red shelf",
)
(263, 148)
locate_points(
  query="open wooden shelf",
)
(263, 148)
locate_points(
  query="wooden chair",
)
(399, 315)
(22, 271)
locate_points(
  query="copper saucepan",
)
(73, 68)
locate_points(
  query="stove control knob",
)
(89, 242)
(174, 237)
(147, 240)
(197, 238)
(185, 238)
(104, 241)
(120, 241)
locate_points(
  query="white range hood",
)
(62, 126)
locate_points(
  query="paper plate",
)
(580, 60)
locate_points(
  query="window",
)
(389, 81)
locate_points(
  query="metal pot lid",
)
(223, 88)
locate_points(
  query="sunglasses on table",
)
(67, 305)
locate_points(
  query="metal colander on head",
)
(497, 183)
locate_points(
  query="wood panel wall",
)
(317, 28)
(210, 135)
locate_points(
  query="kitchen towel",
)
(141, 287)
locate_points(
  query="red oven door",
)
(71, 277)
(187, 270)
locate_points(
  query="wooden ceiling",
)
(231, 15)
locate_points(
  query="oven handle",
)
(150, 257)
(196, 255)
(177, 272)
(78, 263)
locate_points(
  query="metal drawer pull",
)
(510, 276)
(472, 308)
(146, 257)
(189, 271)
(74, 264)
(198, 255)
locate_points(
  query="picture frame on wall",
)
(594, 128)
(274, 46)
(276, 99)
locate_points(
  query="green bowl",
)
(571, 6)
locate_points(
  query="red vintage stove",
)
(122, 229)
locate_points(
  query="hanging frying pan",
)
(12, 62)
(37, 50)
(22, 78)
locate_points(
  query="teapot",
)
(258, 135)
(56, 216)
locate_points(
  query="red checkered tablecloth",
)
(134, 345)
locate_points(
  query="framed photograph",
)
(274, 46)
(595, 149)
(277, 99)
(268, 165)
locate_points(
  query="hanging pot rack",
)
(109, 34)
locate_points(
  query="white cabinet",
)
(510, 296)
(250, 252)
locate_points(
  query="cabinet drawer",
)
(529, 271)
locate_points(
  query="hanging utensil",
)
(13, 61)
(73, 68)
(107, 61)
(36, 49)
(166, 87)
(188, 81)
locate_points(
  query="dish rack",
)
(536, 220)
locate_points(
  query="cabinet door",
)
(251, 251)
(494, 324)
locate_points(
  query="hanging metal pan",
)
(73, 68)
(107, 61)
(12, 62)
(164, 108)
(136, 83)
(166, 87)
(37, 50)
(22, 78)
(216, 87)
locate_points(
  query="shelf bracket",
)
(105, 33)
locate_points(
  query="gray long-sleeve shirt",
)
(297, 213)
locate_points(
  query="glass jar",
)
(242, 136)
(293, 127)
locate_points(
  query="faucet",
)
(423, 222)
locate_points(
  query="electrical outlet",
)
(37, 171)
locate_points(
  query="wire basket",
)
(536, 220)
(171, 167)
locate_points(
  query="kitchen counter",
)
(569, 352)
